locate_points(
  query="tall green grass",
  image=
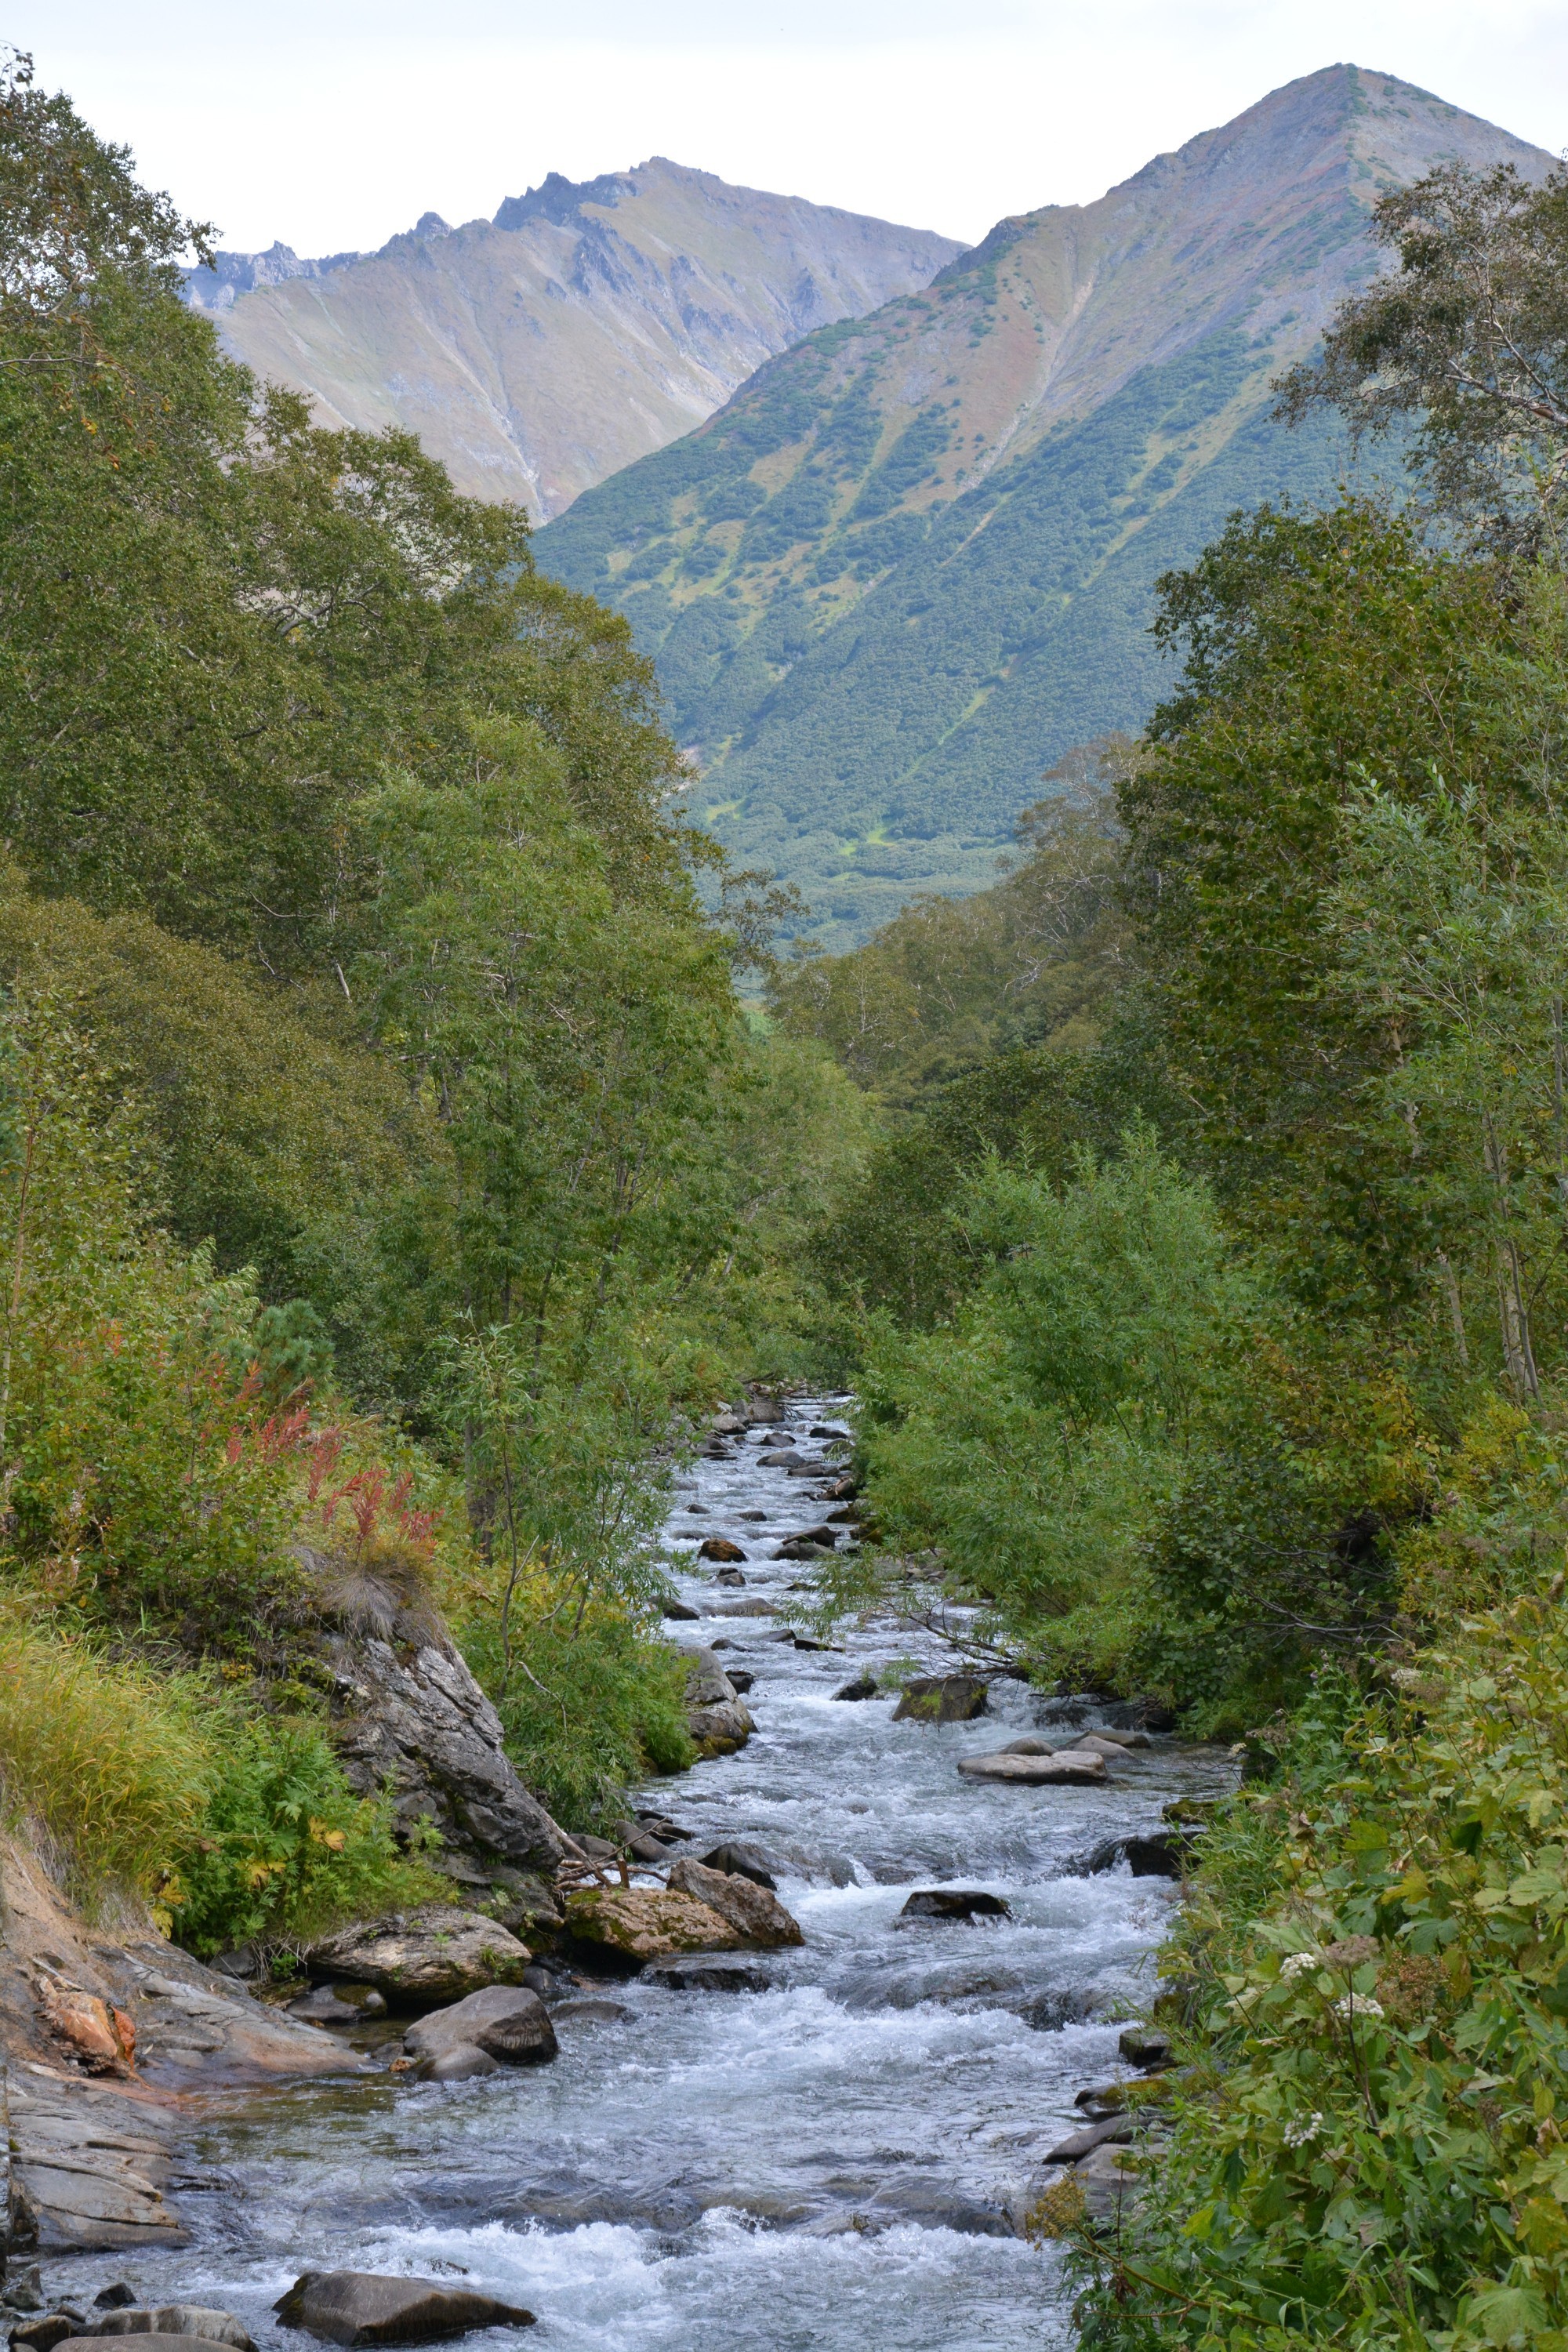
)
(111, 1760)
(232, 1825)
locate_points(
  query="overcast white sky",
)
(333, 124)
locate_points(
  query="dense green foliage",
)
(873, 747)
(1375, 1981)
(952, 981)
(388, 1174)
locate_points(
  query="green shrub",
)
(285, 1849)
(1374, 2152)
(585, 1712)
(237, 1826)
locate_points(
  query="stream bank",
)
(840, 2157)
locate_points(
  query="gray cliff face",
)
(409, 1722)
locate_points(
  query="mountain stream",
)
(833, 2162)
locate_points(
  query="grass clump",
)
(234, 1825)
(112, 1761)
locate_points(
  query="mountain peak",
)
(913, 561)
(559, 200)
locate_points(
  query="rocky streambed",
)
(822, 2144)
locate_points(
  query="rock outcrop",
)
(421, 1958)
(410, 1722)
(98, 2034)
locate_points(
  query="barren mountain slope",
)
(584, 326)
(912, 560)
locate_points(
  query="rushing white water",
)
(831, 2162)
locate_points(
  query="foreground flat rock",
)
(424, 1958)
(753, 1912)
(1069, 1767)
(149, 2340)
(88, 2167)
(361, 2307)
(651, 1923)
(505, 2024)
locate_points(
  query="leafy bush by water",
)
(1375, 1971)
(285, 1849)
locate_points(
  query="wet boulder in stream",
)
(757, 1917)
(504, 2025)
(1163, 1853)
(360, 2307)
(863, 1686)
(720, 1547)
(955, 1903)
(741, 1861)
(717, 1718)
(1069, 1767)
(178, 2320)
(649, 1923)
(942, 1698)
(707, 1976)
(152, 2340)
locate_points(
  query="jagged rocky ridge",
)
(587, 323)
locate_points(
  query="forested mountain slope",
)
(912, 561)
(588, 323)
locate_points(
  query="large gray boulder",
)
(424, 1958)
(410, 1722)
(1069, 1767)
(504, 2025)
(362, 2308)
(754, 1913)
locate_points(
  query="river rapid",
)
(832, 2163)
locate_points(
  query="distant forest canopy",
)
(915, 561)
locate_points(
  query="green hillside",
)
(912, 561)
